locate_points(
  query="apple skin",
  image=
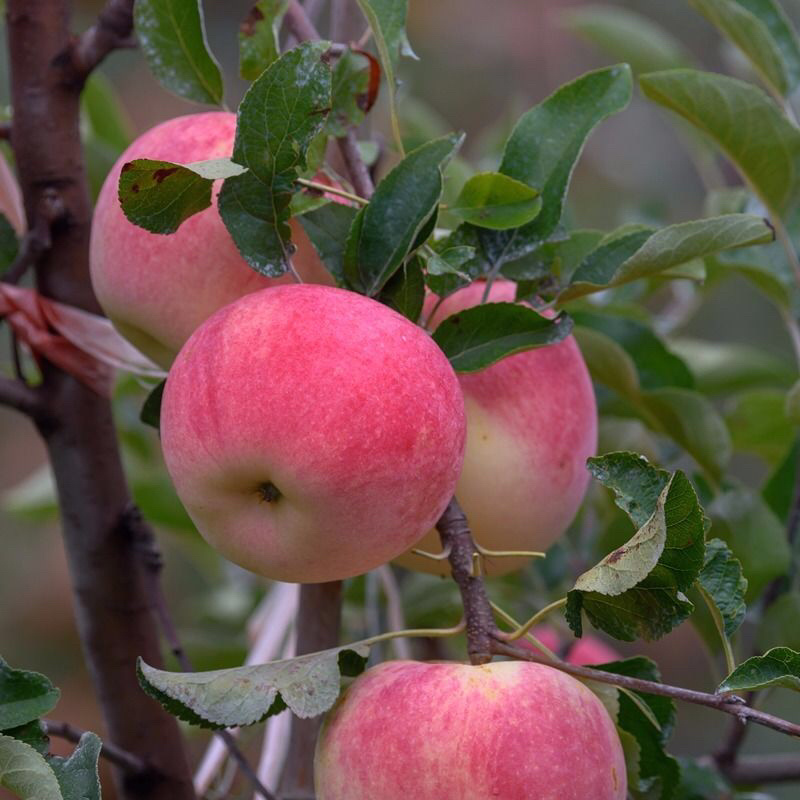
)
(531, 425)
(347, 408)
(156, 288)
(582, 652)
(510, 730)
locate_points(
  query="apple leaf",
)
(627, 36)
(778, 491)
(272, 139)
(759, 424)
(445, 269)
(699, 781)
(173, 39)
(77, 775)
(493, 200)
(258, 37)
(405, 290)
(777, 667)
(722, 579)
(398, 212)
(628, 256)
(354, 89)
(328, 227)
(151, 408)
(25, 773)
(478, 337)
(560, 258)
(756, 537)
(778, 626)
(9, 244)
(24, 696)
(751, 36)
(307, 685)
(710, 102)
(32, 733)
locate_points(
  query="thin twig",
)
(112, 31)
(132, 764)
(18, 395)
(766, 768)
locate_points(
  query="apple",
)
(581, 652)
(531, 425)
(312, 433)
(157, 289)
(509, 730)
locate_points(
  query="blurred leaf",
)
(258, 37)
(751, 36)
(24, 696)
(107, 118)
(77, 775)
(778, 626)
(777, 667)
(151, 410)
(710, 101)
(307, 685)
(159, 195)
(356, 78)
(608, 363)
(25, 773)
(478, 337)
(755, 536)
(405, 290)
(402, 205)
(639, 254)
(173, 39)
(9, 244)
(561, 258)
(758, 424)
(722, 578)
(33, 734)
(624, 434)
(328, 227)
(700, 782)
(778, 492)
(493, 200)
(627, 36)
(272, 141)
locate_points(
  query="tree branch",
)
(113, 754)
(761, 769)
(113, 30)
(457, 540)
(21, 397)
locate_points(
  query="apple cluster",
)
(313, 434)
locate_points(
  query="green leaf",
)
(778, 491)
(24, 696)
(758, 423)
(327, 227)
(77, 775)
(350, 92)
(751, 36)
(493, 200)
(307, 685)
(478, 337)
(402, 205)
(722, 579)
(9, 244)
(755, 536)
(444, 270)
(151, 409)
(777, 667)
(637, 591)
(173, 39)
(742, 121)
(105, 114)
(778, 626)
(608, 363)
(32, 733)
(258, 37)
(25, 773)
(273, 134)
(159, 195)
(621, 259)
(547, 141)
(405, 290)
(627, 36)
(701, 782)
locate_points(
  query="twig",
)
(116, 755)
(767, 768)
(153, 563)
(726, 756)
(112, 31)
(456, 536)
(730, 704)
(5, 130)
(18, 395)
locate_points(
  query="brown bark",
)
(114, 613)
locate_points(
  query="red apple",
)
(312, 433)
(531, 425)
(582, 652)
(157, 289)
(510, 730)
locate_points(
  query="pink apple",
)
(582, 652)
(312, 433)
(510, 730)
(531, 425)
(157, 289)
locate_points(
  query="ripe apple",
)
(157, 289)
(508, 730)
(582, 652)
(531, 425)
(312, 433)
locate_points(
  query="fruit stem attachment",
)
(535, 620)
(456, 536)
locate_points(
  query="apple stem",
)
(509, 620)
(534, 620)
(325, 189)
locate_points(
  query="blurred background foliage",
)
(480, 65)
